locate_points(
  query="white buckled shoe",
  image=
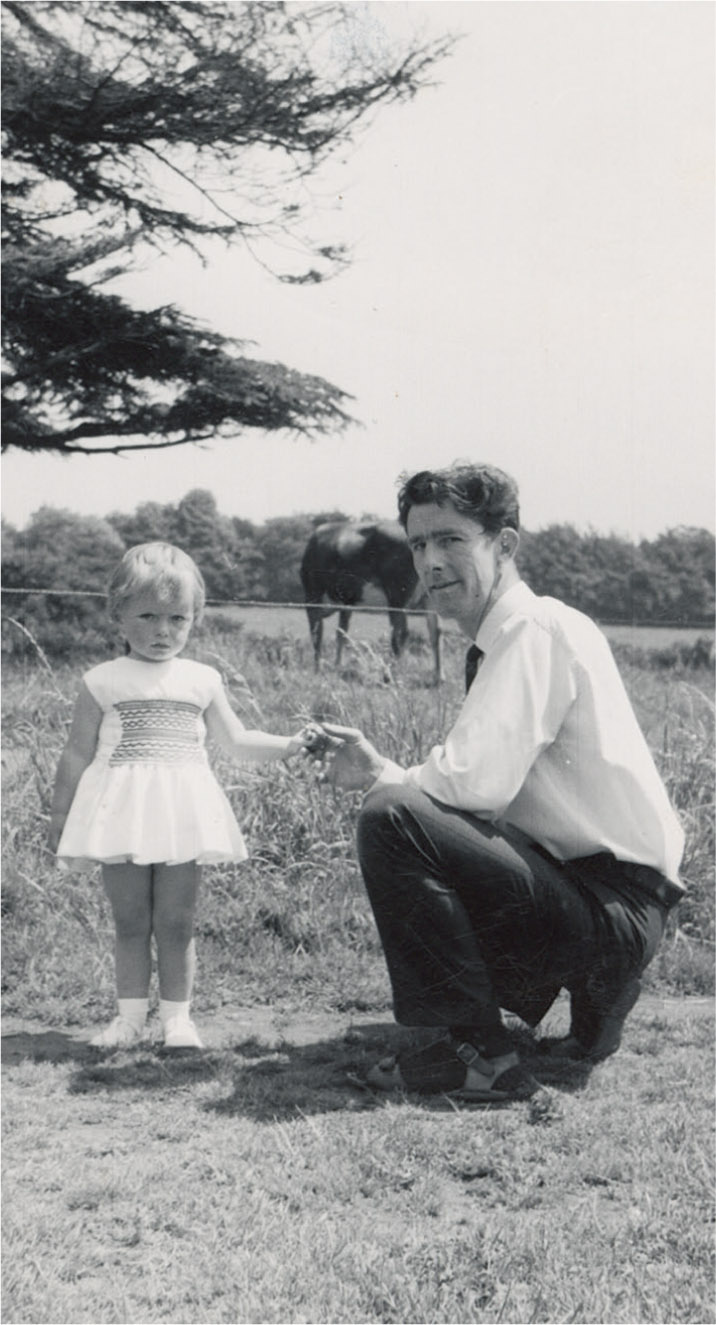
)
(118, 1035)
(181, 1033)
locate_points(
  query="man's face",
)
(455, 560)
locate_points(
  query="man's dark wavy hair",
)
(486, 494)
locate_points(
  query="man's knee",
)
(382, 800)
(382, 814)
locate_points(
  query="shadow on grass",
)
(325, 1077)
(275, 1083)
(132, 1069)
(265, 1082)
(44, 1047)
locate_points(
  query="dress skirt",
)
(150, 814)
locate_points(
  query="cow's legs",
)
(398, 631)
(315, 625)
(344, 617)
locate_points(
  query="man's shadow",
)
(330, 1075)
(275, 1083)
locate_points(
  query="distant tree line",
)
(668, 579)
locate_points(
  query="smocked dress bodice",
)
(149, 795)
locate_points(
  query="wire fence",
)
(695, 623)
(232, 602)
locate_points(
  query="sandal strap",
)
(487, 1067)
(468, 1053)
(506, 1080)
(452, 1068)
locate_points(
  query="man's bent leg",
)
(456, 906)
(604, 996)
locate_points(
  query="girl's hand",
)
(314, 741)
(311, 740)
(353, 764)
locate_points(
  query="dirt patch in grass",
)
(270, 1029)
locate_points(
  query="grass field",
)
(252, 1182)
(372, 626)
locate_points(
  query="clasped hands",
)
(347, 760)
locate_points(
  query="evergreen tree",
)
(131, 126)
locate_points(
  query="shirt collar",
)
(520, 596)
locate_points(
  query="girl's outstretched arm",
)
(78, 753)
(225, 728)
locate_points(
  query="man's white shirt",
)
(547, 742)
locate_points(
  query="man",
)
(535, 849)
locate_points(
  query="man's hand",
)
(352, 763)
(314, 741)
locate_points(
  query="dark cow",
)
(341, 558)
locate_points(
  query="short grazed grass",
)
(253, 1182)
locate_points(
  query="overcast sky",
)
(532, 284)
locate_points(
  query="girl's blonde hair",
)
(161, 567)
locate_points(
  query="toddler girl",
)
(134, 790)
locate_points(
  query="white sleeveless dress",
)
(149, 795)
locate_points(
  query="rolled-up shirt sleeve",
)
(513, 710)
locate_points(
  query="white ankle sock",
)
(167, 1010)
(134, 1010)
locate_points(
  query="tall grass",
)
(292, 924)
(252, 1182)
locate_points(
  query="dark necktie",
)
(472, 662)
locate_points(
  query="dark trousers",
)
(472, 922)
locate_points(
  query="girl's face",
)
(157, 628)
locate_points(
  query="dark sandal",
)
(451, 1068)
(595, 1033)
